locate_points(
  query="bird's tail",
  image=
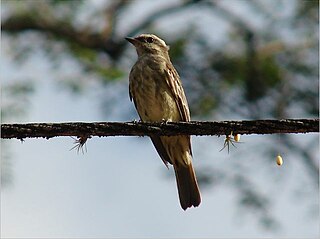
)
(188, 189)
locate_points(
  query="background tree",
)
(239, 60)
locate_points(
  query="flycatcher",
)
(157, 93)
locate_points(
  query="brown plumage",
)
(157, 93)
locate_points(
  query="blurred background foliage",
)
(264, 66)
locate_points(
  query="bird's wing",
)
(130, 93)
(173, 80)
(156, 140)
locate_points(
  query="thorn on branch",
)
(229, 139)
(80, 143)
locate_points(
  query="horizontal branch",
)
(63, 31)
(80, 129)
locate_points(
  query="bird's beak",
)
(133, 41)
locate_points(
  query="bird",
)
(158, 96)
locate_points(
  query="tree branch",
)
(107, 43)
(80, 129)
(63, 30)
(151, 18)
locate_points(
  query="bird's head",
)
(148, 44)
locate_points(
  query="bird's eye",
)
(149, 39)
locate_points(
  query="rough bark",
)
(81, 129)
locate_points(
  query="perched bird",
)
(157, 93)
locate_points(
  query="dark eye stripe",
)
(145, 39)
(142, 39)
